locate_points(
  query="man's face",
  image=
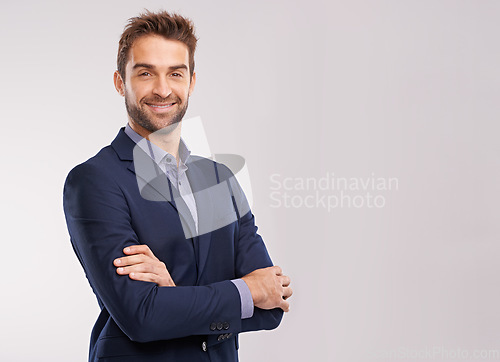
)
(157, 83)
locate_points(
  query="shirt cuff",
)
(245, 297)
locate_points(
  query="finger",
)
(139, 249)
(285, 280)
(136, 249)
(285, 306)
(287, 293)
(144, 277)
(137, 268)
(130, 260)
(277, 270)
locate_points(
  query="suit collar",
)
(156, 152)
(123, 146)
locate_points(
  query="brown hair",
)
(171, 26)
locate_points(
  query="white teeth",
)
(165, 106)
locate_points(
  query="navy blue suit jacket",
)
(200, 318)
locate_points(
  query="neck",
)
(168, 138)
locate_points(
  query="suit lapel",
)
(154, 186)
(200, 181)
(152, 182)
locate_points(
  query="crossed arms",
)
(269, 287)
(100, 225)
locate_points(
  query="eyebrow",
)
(150, 66)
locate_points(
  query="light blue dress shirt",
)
(178, 178)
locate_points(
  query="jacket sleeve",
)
(251, 253)
(100, 226)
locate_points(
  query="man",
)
(166, 239)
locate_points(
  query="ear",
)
(191, 85)
(119, 83)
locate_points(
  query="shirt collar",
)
(155, 152)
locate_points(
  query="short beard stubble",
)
(140, 117)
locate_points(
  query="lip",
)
(160, 108)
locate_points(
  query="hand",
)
(141, 264)
(270, 288)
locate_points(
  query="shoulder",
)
(100, 172)
(109, 160)
(92, 189)
(97, 165)
(229, 165)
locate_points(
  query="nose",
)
(161, 87)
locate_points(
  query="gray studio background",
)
(407, 90)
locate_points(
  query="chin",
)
(167, 128)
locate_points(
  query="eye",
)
(144, 74)
(176, 75)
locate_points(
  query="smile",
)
(160, 107)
